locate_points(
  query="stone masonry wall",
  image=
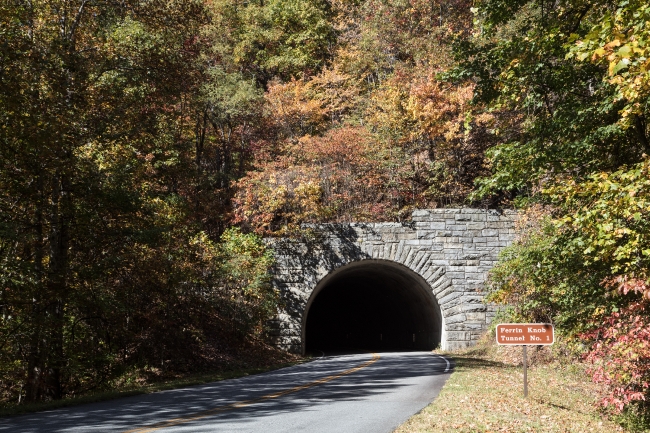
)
(451, 249)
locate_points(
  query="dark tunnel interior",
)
(372, 305)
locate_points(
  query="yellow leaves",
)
(616, 66)
(622, 41)
(598, 53)
(292, 107)
(437, 110)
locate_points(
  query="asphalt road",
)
(371, 393)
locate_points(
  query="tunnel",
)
(372, 305)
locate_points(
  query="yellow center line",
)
(244, 403)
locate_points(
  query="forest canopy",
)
(575, 159)
(147, 147)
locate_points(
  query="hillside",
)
(146, 148)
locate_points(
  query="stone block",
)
(458, 335)
(479, 217)
(472, 254)
(426, 235)
(453, 249)
(474, 308)
(440, 286)
(388, 237)
(415, 259)
(407, 236)
(475, 336)
(448, 297)
(456, 309)
(473, 299)
(456, 318)
(498, 224)
(444, 211)
(476, 317)
(288, 340)
(457, 345)
(469, 235)
(465, 327)
(405, 251)
(422, 264)
(476, 287)
(409, 256)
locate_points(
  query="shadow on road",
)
(393, 370)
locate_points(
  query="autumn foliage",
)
(620, 355)
(145, 151)
(337, 177)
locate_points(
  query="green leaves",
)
(110, 214)
(275, 38)
(620, 40)
(610, 212)
(561, 113)
(569, 83)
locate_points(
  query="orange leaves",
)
(440, 111)
(291, 107)
(624, 284)
(371, 135)
(340, 176)
(301, 107)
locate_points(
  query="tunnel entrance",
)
(372, 305)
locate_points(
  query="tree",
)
(571, 125)
(108, 265)
(574, 154)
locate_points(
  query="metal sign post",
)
(524, 334)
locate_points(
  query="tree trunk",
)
(57, 282)
(33, 388)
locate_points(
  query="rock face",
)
(447, 251)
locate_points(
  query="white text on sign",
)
(525, 333)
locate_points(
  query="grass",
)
(135, 389)
(485, 394)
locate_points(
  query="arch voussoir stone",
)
(450, 249)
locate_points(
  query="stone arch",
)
(450, 249)
(421, 304)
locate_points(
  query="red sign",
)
(525, 334)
